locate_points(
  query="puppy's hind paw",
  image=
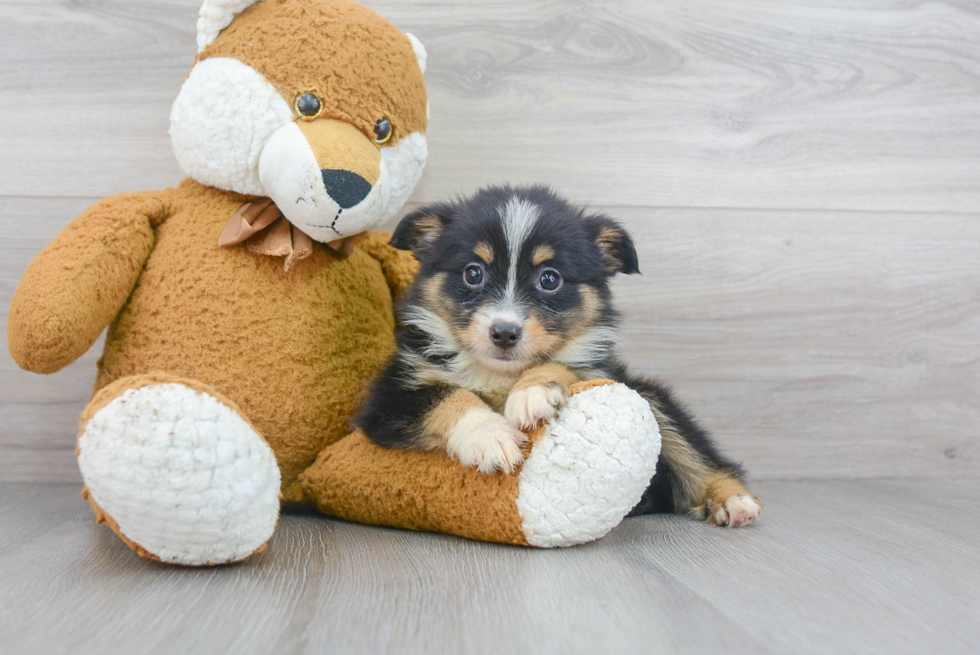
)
(735, 512)
(485, 440)
(529, 406)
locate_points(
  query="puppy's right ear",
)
(615, 244)
(420, 229)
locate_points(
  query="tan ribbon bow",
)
(269, 233)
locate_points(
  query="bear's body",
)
(293, 350)
(229, 375)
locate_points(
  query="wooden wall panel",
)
(696, 104)
(801, 177)
(815, 345)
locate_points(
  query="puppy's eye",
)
(382, 130)
(550, 280)
(308, 106)
(473, 275)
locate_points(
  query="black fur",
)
(393, 411)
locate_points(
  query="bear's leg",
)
(177, 472)
(584, 472)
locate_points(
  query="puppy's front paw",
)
(528, 406)
(736, 511)
(484, 439)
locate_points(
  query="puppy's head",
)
(516, 276)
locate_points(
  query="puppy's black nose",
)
(346, 188)
(505, 335)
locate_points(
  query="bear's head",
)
(319, 105)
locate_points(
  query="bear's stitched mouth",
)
(332, 223)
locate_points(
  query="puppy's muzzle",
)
(505, 335)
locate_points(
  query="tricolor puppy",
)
(510, 308)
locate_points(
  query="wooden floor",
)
(833, 567)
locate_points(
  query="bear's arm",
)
(78, 283)
(400, 266)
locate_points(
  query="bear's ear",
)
(615, 244)
(419, 49)
(215, 16)
(420, 229)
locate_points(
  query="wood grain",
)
(29, 510)
(839, 567)
(768, 104)
(815, 345)
(832, 567)
(832, 336)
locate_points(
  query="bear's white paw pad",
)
(484, 439)
(739, 510)
(529, 406)
(183, 475)
(590, 469)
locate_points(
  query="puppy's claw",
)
(529, 406)
(485, 440)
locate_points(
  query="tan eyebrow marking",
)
(484, 252)
(542, 254)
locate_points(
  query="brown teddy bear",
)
(248, 308)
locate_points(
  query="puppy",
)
(511, 307)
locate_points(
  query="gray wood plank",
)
(328, 586)
(29, 510)
(814, 344)
(502, 599)
(839, 567)
(832, 567)
(802, 104)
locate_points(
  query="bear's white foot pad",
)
(584, 476)
(183, 475)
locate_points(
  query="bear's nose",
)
(505, 335)
(346, 188)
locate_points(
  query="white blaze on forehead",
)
(502, 313)
(518, 217)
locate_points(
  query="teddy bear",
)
(248, 308)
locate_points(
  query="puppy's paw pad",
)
(737, 511)
(531, 405)
(487, 442)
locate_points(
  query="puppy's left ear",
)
(615, 244)
(420, 229)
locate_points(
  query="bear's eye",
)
(473, 275)
(382, 130)
(550, 280)
(308, 106)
